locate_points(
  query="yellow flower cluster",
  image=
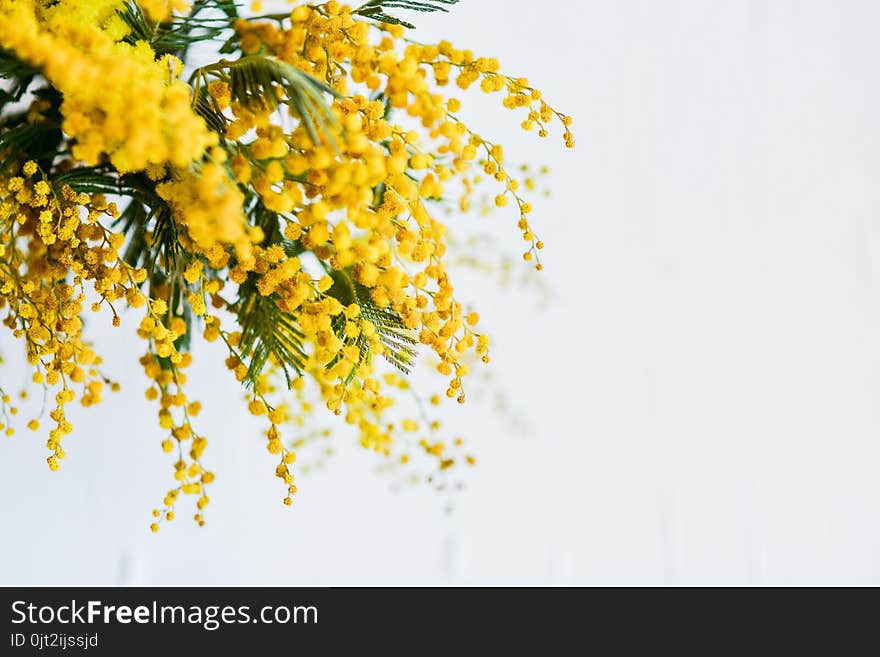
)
(287, 201)
(163, 364)
(54, 245)
(206, 202)
(119, 100)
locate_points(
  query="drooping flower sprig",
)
(279, 197)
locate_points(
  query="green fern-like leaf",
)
(376, 9)
(27, 141)
(91, 180)
(398, 340)
(207, 108)
(254, 81)
(148, 213)
(21, 139)
(178, 34)
(267, 332)
(12, 67)
(20, 73)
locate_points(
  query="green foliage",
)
(21, 74)
(91, 180)
(21, 140)
(377, 9)
(149, 224)
(37, 141)
(12, 67)
(204, 106)
(398, 340)
(254, 80)
(271, 334)
(176, 37)
(267, 332)
(152, 236)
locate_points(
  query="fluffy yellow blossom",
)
(79, 47)
(161, 10)
(206, 201)
(286, 201)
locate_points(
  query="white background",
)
(702, 395)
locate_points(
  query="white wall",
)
(702, 392)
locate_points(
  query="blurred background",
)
(690, 396)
